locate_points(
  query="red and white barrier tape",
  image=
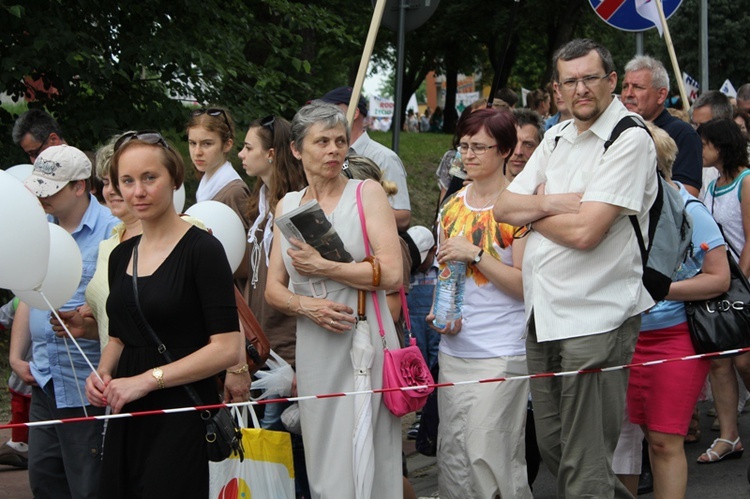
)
(379, 390)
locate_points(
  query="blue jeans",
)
(419, 301)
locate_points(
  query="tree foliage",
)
(130, 64)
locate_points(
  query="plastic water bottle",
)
(457, 167)
(692, 264)
(449, 294)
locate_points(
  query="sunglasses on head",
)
(267, 122)
(212, 111)
(147, 136)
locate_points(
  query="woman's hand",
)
(23, 370)
(451, 329)
(457, 248)
(306, 259)
(95, 389)
(327, 314)
(120, 391)
(237, 387)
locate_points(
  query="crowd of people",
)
(536, 201)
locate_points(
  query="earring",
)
(270, 161)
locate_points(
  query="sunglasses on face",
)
(212, 111)
(35, 153)
(149, 137)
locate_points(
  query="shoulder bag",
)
(722, 323)
(257, 348)
(223, 435)
(404, 367)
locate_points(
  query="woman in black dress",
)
(185, 290)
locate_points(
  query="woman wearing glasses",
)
(481, 448)
(322, 296)
(185, 293)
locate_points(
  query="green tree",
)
(112, 66)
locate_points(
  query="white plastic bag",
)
(267, 471)
(276, 381)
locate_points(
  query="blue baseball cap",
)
(343, 95)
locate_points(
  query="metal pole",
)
(704, 46)
(399, 75)
(639, 43)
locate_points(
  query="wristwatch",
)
(479, 256)
(158, 375)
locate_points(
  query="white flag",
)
(648, 10)
(691, 86)
(728, 89)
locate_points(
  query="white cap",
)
(55, 167)
(423, 238)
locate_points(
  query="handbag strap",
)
(160, 346)
(402, 293)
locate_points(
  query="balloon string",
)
(75, 377)
(65, 327)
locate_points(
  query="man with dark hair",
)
(529, 132)
(35, 131)
(64, 460)
(388, 161)
(582, 269)
(507, 95)
(644, 90)
(710, 105)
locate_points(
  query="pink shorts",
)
(662, 397)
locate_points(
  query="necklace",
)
(492, 199)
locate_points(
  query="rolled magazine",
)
(308, 223)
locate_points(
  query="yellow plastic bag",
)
(267, 471)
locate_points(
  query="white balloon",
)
(225, 225)
(25, 237)
(63, 275)
(21, 172)
(178, 198)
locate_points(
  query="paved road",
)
(725, 480)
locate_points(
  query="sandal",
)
(714, 457)
(694, 430)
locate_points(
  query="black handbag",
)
(722, 323)
(223, 435)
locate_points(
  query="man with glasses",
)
(644, 90)
(35, 131)
(64, 460)
(362, 145)
(582, 269)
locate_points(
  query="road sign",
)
(417, 13)
(621, 14)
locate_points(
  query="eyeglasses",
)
(212, 111)
(268, 122)
(588, 81)
(478, 149)
(148, 137)
(35, 153)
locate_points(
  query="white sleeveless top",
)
(724, 204)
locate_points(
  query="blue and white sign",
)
(622, 14)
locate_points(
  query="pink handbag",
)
(404, 367)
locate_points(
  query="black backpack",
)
(670, 229)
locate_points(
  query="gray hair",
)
(104, 157)
(317, 112)
(36, 122)
(659, 75)
(578, 48)
(528, 117)
(720, 105)
(743, 93)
